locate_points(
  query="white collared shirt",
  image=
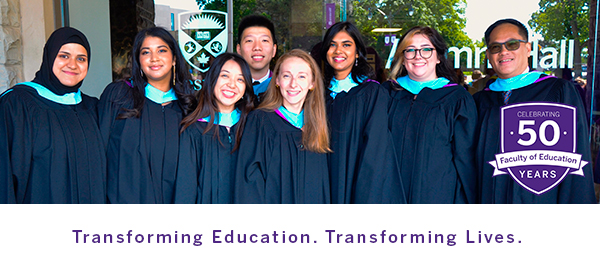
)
(261, 80)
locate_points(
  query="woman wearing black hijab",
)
(50, 145)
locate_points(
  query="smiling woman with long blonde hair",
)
(282, 156)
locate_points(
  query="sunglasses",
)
(511, 45)
(425, 53)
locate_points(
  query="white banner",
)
(538, 157)
(299, 236)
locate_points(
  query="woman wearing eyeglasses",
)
(432, 120)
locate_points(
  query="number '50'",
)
(542, 132)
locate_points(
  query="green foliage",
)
(480, 43)
(304, 26)
(307, 17)
(555, 18)
(279, 12)
(276, 10)
(446, 16)
(564, 19)
(451, 21)
(241, 9)
(370, 14)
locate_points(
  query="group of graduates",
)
(305, 132)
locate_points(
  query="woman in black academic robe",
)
(432, 120)
(362, 162)
(282, 156)
(50, 146)
(212, 133)
(139, 121)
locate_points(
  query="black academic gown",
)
(433, 135)
(362, 164)
(49, 152)
(502, 188)
(275, 167)
(206, 170)
(141, 152)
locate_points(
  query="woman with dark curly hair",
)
(139, 121)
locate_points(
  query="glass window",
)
(559, 31)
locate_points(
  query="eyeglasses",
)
(511, 45)
(425, 53)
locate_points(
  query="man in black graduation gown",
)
(508, 52)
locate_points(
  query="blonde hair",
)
(315, 133)
(399, 55)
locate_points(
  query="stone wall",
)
(11, 55)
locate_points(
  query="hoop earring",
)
(174, 75)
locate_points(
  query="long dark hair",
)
(183, 89)
(207, 102)
(443, 69)
(360, 71)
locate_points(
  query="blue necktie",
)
(506, 96)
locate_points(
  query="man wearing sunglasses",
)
(508, 50)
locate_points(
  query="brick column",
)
(11, 55)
